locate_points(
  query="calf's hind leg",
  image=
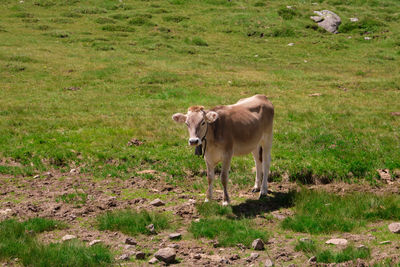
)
(266, 162)
(257, 155)
(226, 164)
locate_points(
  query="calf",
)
(226, 131)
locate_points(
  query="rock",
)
(124, 257)
(396, 113)
(130, 241)
(197, 257)
(36, 176)
(290, 44)
(384, 174)
(147, 172)
(94, 242)
(312, 259)
(353, 19)
(166, 255)
(157, 202)
(385, 242)
(257, 244)
(153, 261)
(328, 20)
(150, 227)
(234, 257)
(68, 237)
(268, 263)
(175, 236)
(140, 255)
(176, 246)
(134, 142)
(394, 227)
(337, 241)
(305, 240)
(367, 38)
(361, 247)
(315, 94)
(73, 88)
(72, 171)
(252, 257)
(5, 211)
(49, 174)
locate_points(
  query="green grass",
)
(227, 232)
(131, 222)
(156, 58)
(212, 208)
(306, 246)
(17, 240)
(347, 254)
(321, 212)
(76, 198)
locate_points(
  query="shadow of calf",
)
(251, 207)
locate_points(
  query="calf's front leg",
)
(210, 178)
(226, 164)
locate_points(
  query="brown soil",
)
(28, 197)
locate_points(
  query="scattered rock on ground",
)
(384, 174)
(395, 113)
(394, 227)
(5, 211)
(68, 237)
(153, 260)
(312, 259)
(234, 257)
(150, 227)
(385, 242)
(252, 257)
(175, 236)
(124, 257)
(290, 44)
(337, 241)
(157, 202)
(166, 255)
(268, 263)
(315, 94)
(328, 20)
(94, 242)
(140, 255)
(134, 142)
(353, 19)
(130, 241)
(197, 256)
(258, 244)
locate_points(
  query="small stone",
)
(257, 244)
(394, 227)
(396, 113)
(147, 172)
(312, 259)
(290, 44)
(166, 255)
(192, 201)
(305, 240)
(337, 241)
(353, 19)
(315, 94)
(268, 263)
(174, 236)
(385, 242)
(68, 237)
(94, 242)
(124, 257)
(140, 255)
(150, 227)
(197, 257)
(252, 257)
(49, 174)
(153, 260)
(384, 174)
(36, 176)
(367, 38)
(130, 241)
(361, 247)
(5, 211)
(157, 202)
(73, 171)
(234, 257)
(197, 220)
(176, 246)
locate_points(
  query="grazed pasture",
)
(87, 90)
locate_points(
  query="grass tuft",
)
(322, 212)
(308, 246)
(228, 232)
(213, 208)
(347, 254)
(131, 222)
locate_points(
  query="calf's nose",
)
(194, 141)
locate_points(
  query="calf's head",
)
(196, 120)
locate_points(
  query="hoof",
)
(225, 203)
(263, 196)
(255, 190)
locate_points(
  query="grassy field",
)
(87, 90)
(79, 79)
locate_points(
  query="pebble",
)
(166, 255)
(175, 236)
(68, 237)
(253, 256)
(94, 242)
(257, 244)
(130, 241)
(268, 263)
(385, 242)
(140, 255)
(337, 241)
(123, 257)
(157, 202)
(153, 261)
(394, 227)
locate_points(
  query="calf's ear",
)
(179, 117)
(211, 116)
